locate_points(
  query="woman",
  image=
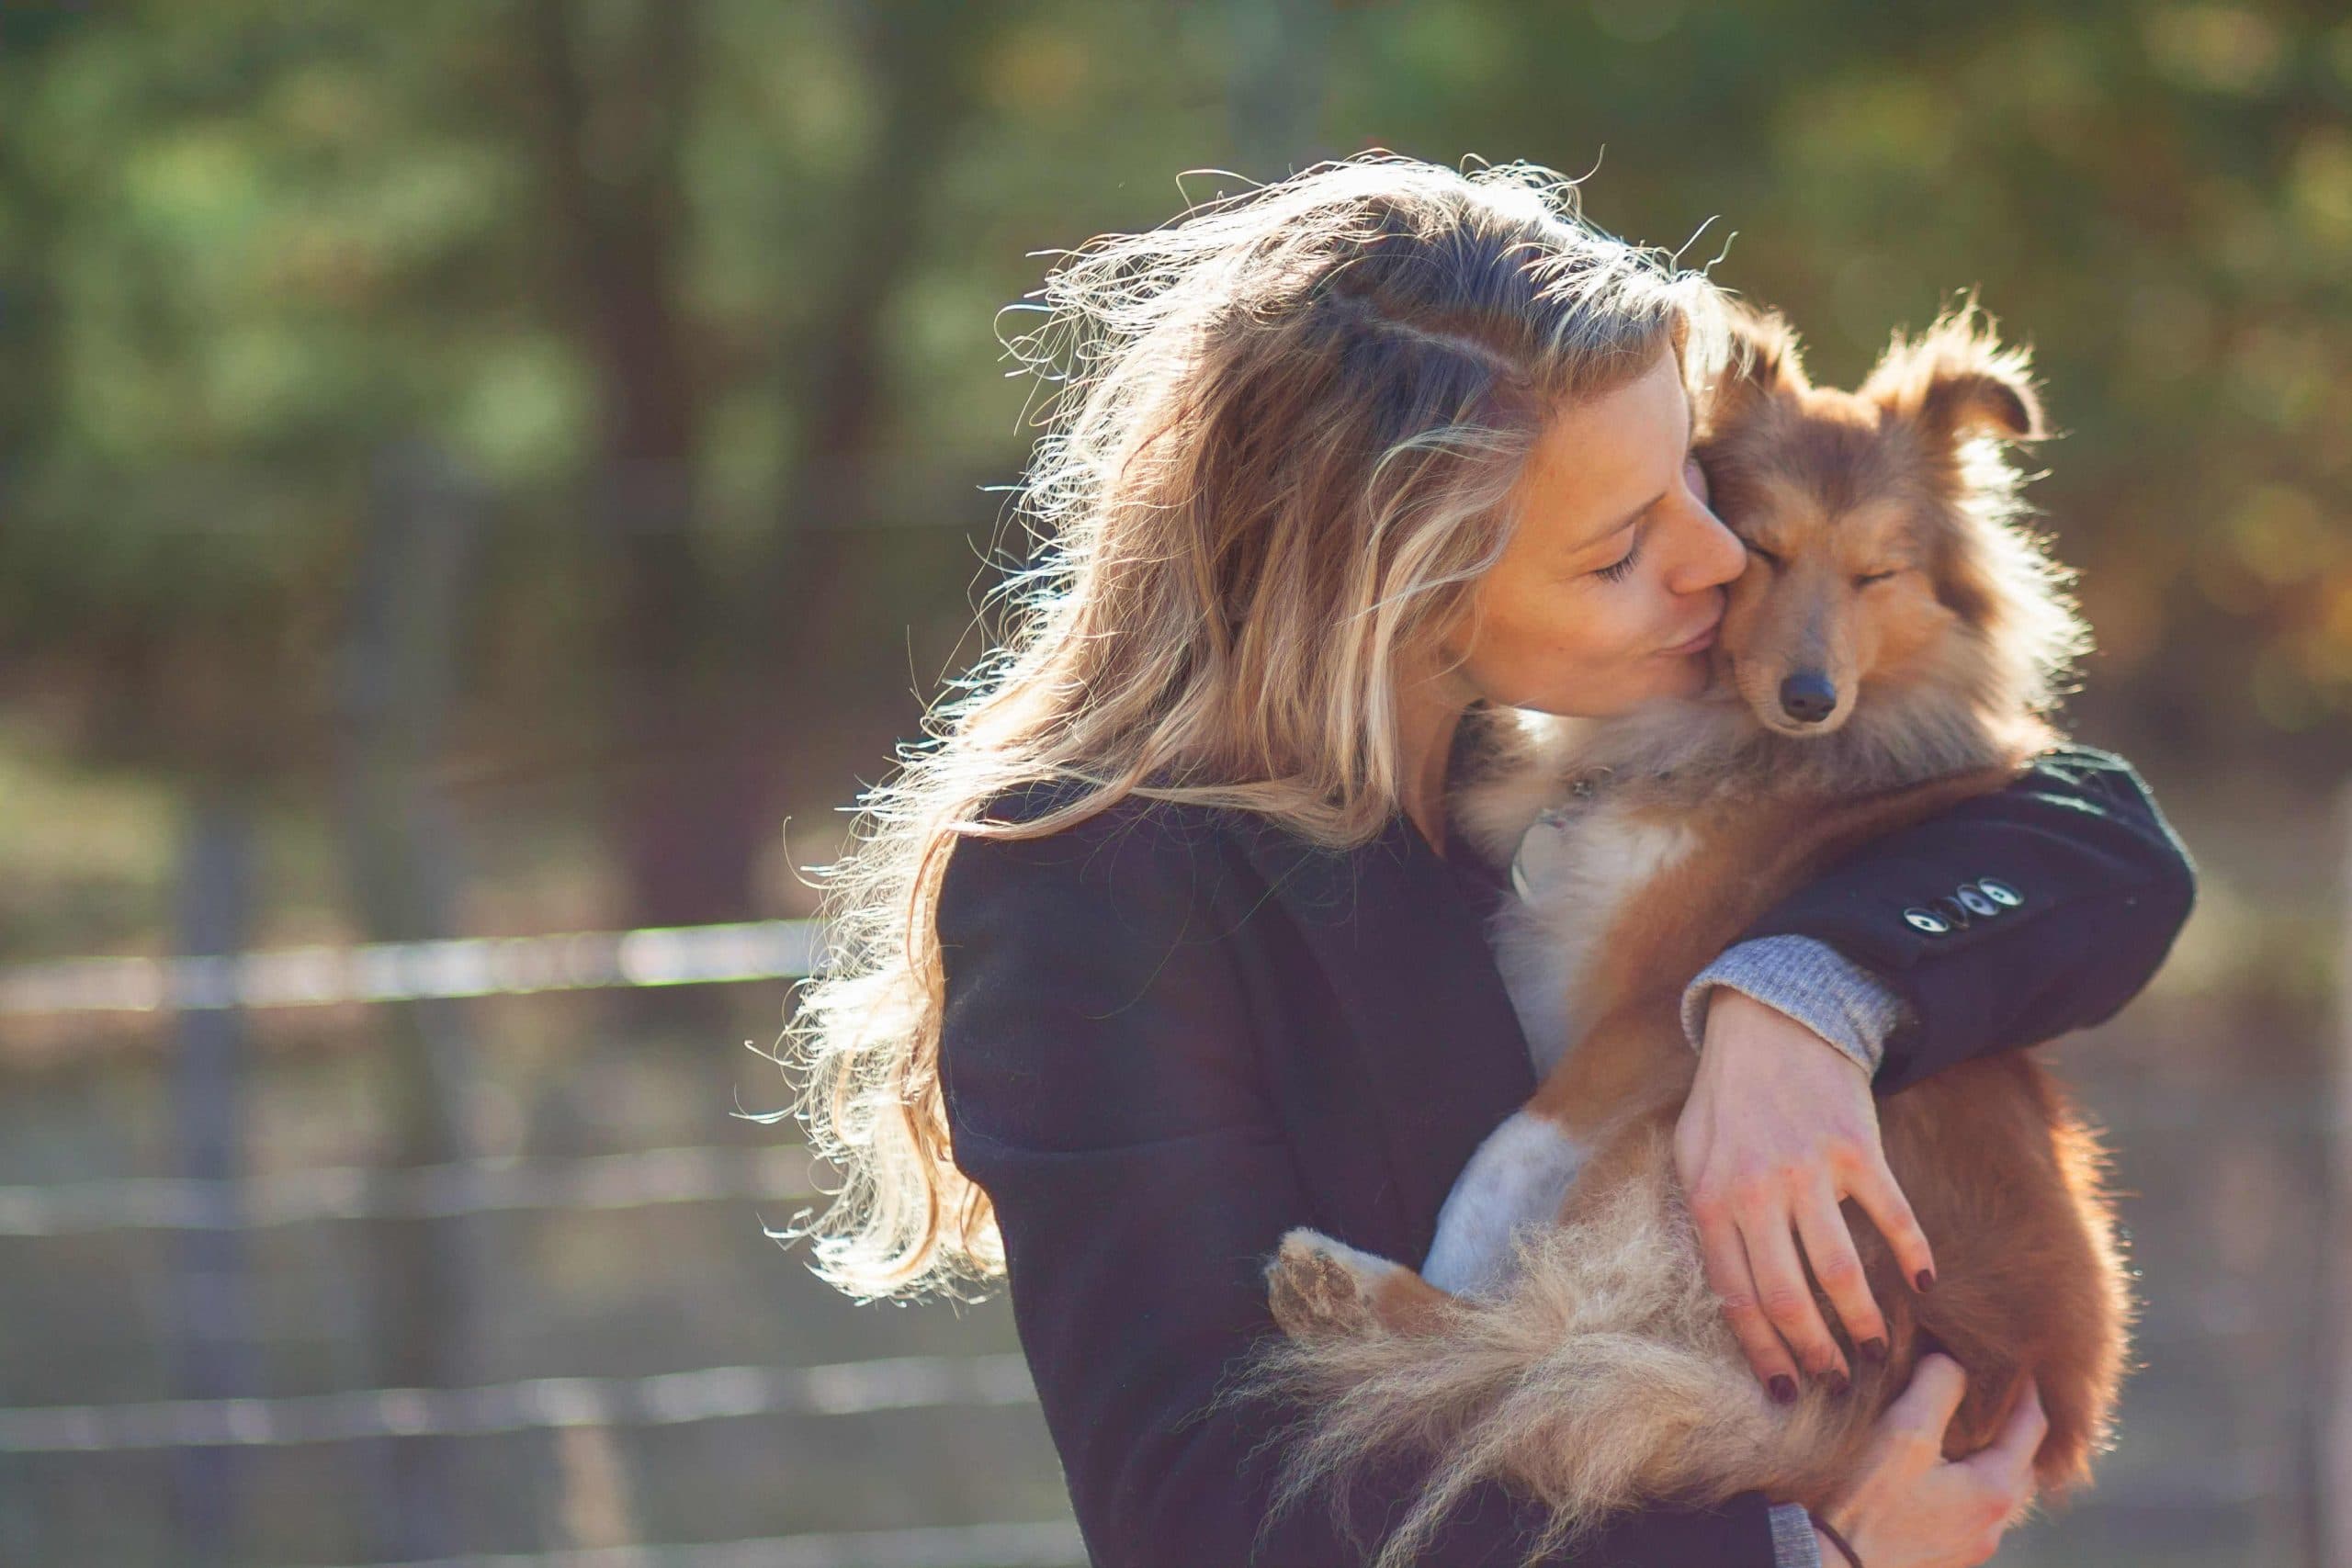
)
(1164, 946)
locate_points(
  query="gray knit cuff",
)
(1813, 982)
(1793, 1543)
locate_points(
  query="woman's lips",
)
(1699, 644)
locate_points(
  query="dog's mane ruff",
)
(1972, 400)
(1509, 767)
(2031, 627)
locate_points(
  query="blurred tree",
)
(706, 290)
(615, 104)
(693, 644)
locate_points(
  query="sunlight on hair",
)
(1276, 438)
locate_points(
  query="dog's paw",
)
(1317, 1286)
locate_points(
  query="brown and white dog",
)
(1889, 651)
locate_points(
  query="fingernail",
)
(1873, 1351)
(1926, 1280)
(1835, 1382)
(1784, 1389)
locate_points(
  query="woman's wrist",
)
(1835, 1549)
(1749, 1023)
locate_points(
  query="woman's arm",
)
(2102, 885)
(2065, 891)
(1101, 1086)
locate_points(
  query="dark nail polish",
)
(1926, 1279)
(1835, 1382)
(1784, 1389)
(1875, 1352)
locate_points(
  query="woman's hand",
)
(1908, 1507)
(1780, 1127)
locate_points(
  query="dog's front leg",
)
(1517, 1180)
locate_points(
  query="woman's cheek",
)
(1574, 648)
(1624, 625)
(1546, 667)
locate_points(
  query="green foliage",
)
(244, 246)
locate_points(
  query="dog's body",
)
(1885, 657)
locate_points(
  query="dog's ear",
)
(1955, 380)
(1764, 358)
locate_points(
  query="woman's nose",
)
(1712, 553)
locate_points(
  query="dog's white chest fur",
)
(1576, 871)
(1575, 868)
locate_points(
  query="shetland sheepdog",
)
(1891, 650)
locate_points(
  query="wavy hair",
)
(1280, 430)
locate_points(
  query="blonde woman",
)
(1163, 945)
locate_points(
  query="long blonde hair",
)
(1281, 430)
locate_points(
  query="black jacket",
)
(1172, 1034)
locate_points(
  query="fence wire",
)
(396, 971)
(707, 1393)
(414, 971)
(1045, 1544)
(643, 1179)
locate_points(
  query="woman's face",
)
(1610, 589)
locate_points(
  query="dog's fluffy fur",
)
(1600, 1374)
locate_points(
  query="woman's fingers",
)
(2000, 1478)
(1872, 1186)
(1919, 1416)
(1727, 1274)
(2009, 1459)
(1782, 1291)
(1829, 1248)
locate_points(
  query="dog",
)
(1892, 647)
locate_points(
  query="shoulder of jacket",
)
(1131, 814)
(1132, 842)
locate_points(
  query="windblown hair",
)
(1282, 431)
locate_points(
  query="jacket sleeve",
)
(1847, 1006)
(1097, 1056)
(2010, 918)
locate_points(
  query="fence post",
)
(2332, 1543)
(213, 1339)
(398, 666)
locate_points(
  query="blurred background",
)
(497, 475)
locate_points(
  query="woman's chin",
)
(1694, 674)
(1684, 687)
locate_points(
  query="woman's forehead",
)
(1601, 458)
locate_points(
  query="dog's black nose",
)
(1808, 697)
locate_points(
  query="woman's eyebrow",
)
(1631, 518)
(1592, 544)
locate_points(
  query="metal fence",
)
(2227, 1441)
(155, 1215)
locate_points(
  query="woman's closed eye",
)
(1615, 570)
